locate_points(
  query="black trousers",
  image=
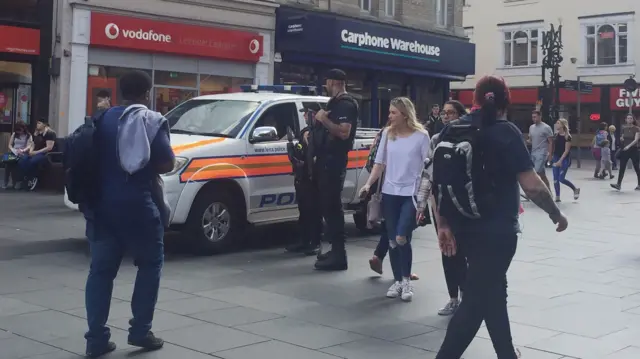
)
(310, 219)
(330, 184)
(455, 268)
(633, 155)
(485, 295)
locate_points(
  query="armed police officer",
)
(332, 137)
(307, 196)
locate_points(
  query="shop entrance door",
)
(8, 94)
(166, 98)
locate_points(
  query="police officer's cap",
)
(336, 74)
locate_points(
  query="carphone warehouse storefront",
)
(382, 61)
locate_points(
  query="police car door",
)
(271, 188)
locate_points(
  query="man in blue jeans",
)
(126, 218)
(44, 141)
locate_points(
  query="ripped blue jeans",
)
(399, 215)
(560, 173)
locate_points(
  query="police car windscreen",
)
(211, 117)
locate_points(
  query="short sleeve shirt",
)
(341, 111)
(539, 135)
(40, 139)
(404, 158)
(629, 134)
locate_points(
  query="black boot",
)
(96, 352)
(336, 260)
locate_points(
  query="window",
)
(390, 7)
(280, 116)
(211, 117)
(521, 48)
(365, 5)
(468, 33)
(607, 44)
(441, 12)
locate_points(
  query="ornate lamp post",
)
(552, 59)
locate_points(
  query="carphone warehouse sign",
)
(366, 42)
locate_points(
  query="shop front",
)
(183, 60)
(382, 61)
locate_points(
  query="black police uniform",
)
(330, 170)
(307, 196)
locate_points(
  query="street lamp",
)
(552, 52)
(574, 61)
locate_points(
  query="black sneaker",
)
(98, 352)
(615, 186)
(148, 342)
(335, 261)
(32, 184)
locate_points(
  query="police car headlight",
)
(179, 165)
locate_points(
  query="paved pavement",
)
(572, 295)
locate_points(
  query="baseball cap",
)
(336, 74)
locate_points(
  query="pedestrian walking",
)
(405, 147)
(541, 141)
(607, 170)
(130, 213)
(338, 130)
(614, 144)
(629, 151)
(477, 212)
(561, 160)
(596, 146)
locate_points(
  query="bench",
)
(51, 176)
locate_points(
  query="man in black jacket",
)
(434, 122)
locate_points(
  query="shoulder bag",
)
(374, 207)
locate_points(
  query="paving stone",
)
(192, 305)
(308, 335)
(576, 346)
(259, 299)
(626, 353)
(231, 317)
(272, 349)
(522, 334)
(373, 349)
(210, 338)
(19, 284)
(76, 343)
(430, 341)
(119, 309)
(44, 326)
(169, 351)
(18, 347)
(58, 354)
(10, 306)
(57, 299)
(125, 292)
(161, 321)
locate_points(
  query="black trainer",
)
(148, 342)
(335, 261)
(98, 352)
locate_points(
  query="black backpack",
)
(461, 183)
(80, 163)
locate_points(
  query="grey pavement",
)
(571, 295)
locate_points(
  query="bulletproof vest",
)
(329, 142)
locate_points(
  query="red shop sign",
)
(157, 36)
(619, 99)
(19, 40)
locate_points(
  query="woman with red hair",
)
(489, 240)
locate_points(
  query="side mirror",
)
(264, 134)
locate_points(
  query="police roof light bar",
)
(297, 89)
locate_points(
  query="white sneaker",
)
(407, 290)
(395, 290)
(450, 308)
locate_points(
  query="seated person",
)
(44, 140)
(270, 121)
(20, 144)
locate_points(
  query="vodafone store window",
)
(177, 79)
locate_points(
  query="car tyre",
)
(215, 208)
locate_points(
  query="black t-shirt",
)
(559, 143)
(40, 140)
(506, 156)
(342, 109)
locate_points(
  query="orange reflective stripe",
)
(180, 148)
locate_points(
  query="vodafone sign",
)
(123, 32)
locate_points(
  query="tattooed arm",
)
(539, 194)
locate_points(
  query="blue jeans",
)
(400, 218)
(560, 173)
(30, 164)
(110, 235)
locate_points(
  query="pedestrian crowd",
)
(462, 172)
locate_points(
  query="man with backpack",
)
(112, 168)
(478, 165)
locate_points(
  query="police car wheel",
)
(214, 222)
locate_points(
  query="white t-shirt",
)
(404, 158)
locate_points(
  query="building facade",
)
(188, 48)
(25, 50)
(388, 48)
(601, 45)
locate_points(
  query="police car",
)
(232, 168)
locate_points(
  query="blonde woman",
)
(404, 147)
(561, 158)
